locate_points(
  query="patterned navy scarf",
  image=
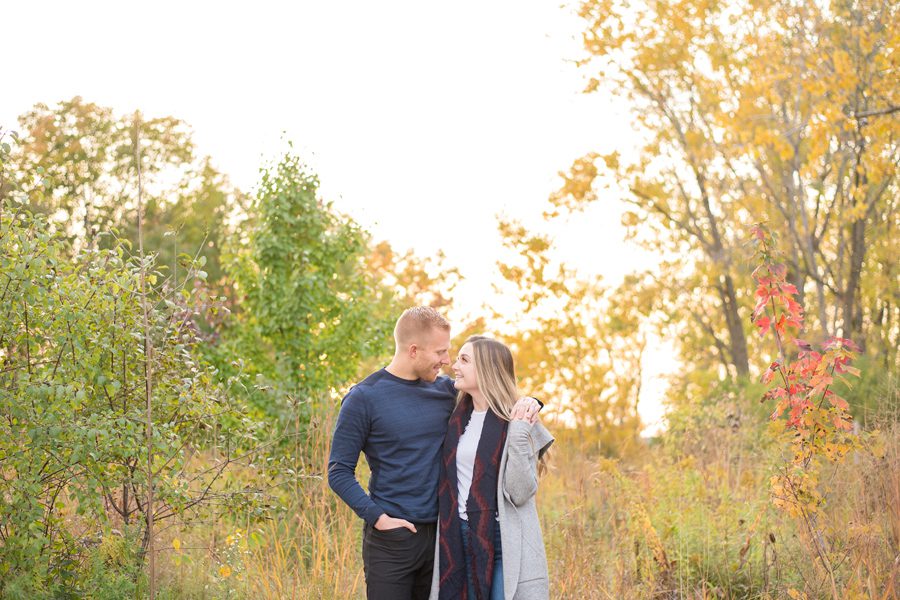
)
(481, 507)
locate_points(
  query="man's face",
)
(432, 354)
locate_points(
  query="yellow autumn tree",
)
(578, 345)
(412, 279)
(755, 110)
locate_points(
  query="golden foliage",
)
(763, 110)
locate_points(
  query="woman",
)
(489, 537)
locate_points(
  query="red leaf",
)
(780, 324)
(759, 308)
(838, 402)
(764, 293)
(851, 345)
(842, 423)
(779, 392)
(778, 410)
(795, 310)
(835, 343)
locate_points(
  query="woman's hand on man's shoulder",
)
(525, 409)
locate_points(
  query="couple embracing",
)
(450, 512)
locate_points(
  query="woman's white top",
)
(465, 459)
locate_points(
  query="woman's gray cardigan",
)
(525, 575)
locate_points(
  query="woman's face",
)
(466, 379)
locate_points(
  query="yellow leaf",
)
(225, 571)
(176, 543)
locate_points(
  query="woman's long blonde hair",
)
(497, 380)
(496, 375)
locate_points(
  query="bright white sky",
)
(424, 120)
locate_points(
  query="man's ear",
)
(412, 350)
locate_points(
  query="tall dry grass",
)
(695, 521)
(690, 519)
(314, 551)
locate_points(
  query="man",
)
(397, 417)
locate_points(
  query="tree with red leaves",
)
(818, 419)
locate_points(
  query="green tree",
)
(196, 223)
(73, 445)
(305, 313)
(77, 165)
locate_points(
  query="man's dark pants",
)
(398, 563)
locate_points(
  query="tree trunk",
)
(852, 305)
(739, 354)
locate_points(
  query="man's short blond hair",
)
(416, 321)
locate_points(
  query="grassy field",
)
(685, 518)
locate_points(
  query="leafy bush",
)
(73, 410)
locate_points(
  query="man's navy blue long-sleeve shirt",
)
(399, 425)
